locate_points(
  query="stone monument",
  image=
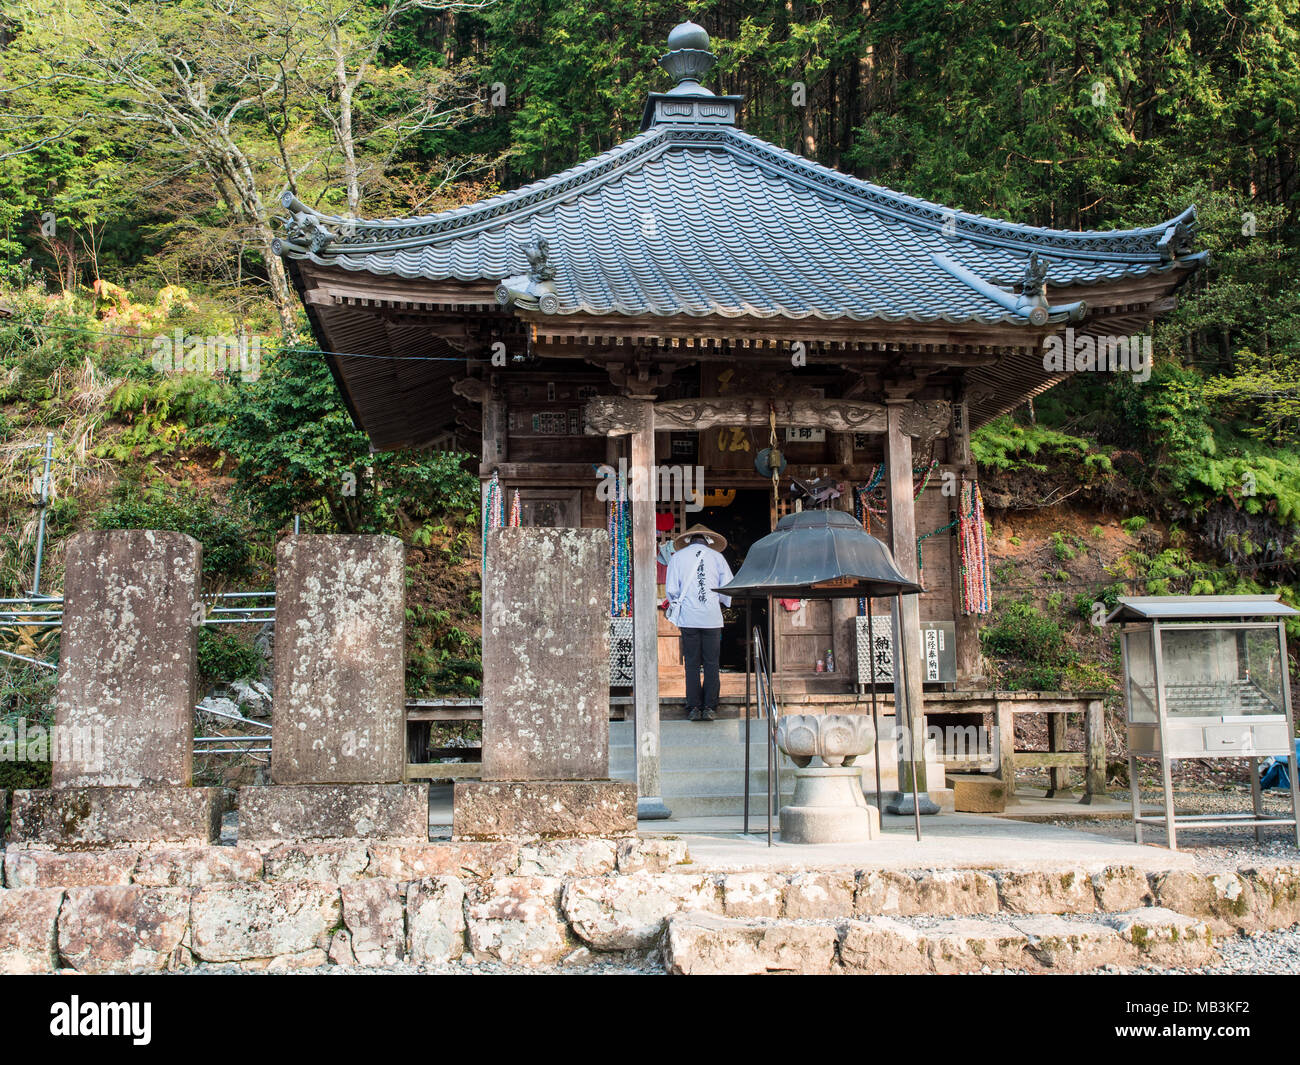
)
(545, 692)
(123, 741)
(338, 715)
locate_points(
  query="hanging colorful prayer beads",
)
(974, 550)
(494, 513)
(620, 552)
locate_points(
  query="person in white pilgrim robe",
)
(695, 569)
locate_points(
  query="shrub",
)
(1023, 631)
(227, 547)
(1003, 445)
(1064, 552)
(222, 657)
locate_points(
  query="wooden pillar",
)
(1094, 741)
(1004, 719)
(844, 612)
(645, 619)
(1058, 776)
(902, 532)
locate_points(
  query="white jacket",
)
(693, 573)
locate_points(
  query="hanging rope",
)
(920, 561)
(974, 550)
(774, 455)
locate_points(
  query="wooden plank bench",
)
(1056, 760)
(423, 711)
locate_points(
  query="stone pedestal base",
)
(900, 804)
(106, 817)
(652, 809)
(828, 807)
(334, 811)
(509, 809)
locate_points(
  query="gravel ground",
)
(1213, 849)
(1258, 954)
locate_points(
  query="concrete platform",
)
(948, 841)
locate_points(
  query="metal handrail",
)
(765, 697)
(222, 608)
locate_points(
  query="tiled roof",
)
(695, 219)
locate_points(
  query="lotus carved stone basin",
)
(838, 739)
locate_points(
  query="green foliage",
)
(1134, 524)
(158, 412)
(1064, 552)
(297, 452)
(1023, 631)
(26, 701)
(1082, 675)
(224, 657)
(1107, 596)
(438, 673)
(1004, 444)
(223, 532)
(24, 774)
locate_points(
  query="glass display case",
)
(1206, 677)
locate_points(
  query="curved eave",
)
(369, 236)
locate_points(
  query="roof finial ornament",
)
(535, 290)
(538, 253)
(688, 58)
(1034, 283)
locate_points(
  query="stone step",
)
(726, 760)
(705, 943)
(692, 806)
(704, 793)
(719, 733)
(702, 767)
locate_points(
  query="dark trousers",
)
(700, 648)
